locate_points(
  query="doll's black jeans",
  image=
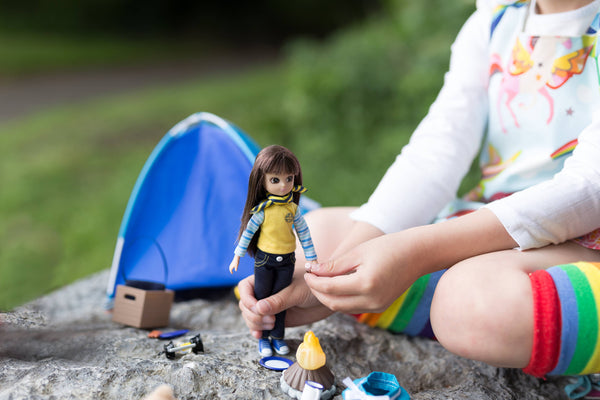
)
(272, 273)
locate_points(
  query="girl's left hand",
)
(368, 278)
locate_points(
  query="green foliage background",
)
(359, 95)
(345, 105)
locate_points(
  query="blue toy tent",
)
(181, 223)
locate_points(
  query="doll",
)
(270, 215)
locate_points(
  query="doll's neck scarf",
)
(272, 199)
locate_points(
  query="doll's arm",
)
(251, 228)
(233, 266)
(304, 237)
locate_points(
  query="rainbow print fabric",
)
(409, 314)
(578, 289)
(569, 336)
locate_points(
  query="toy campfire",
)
(310, 366)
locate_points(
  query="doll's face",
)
(279, 184)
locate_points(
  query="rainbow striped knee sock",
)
(410, 312)
(566, 317)
(566, 302)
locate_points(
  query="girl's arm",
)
(428, 172)
(371, 276)
(562, 208)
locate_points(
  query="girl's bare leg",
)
(483, 307)
(328, 226)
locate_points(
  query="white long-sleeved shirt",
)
(427, 173)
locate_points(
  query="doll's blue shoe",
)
(280, 346)
(374, 385)
(264, 348)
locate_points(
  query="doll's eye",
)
(289, 179)
(274, 180)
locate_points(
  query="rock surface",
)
(65, 346)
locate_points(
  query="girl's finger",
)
(342, 285)
(340, 266)
(253, 320)
(256, 334)
(256, 322)
(346, 304)
(246, 290)
(297, 294)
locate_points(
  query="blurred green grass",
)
(67, 174)
(23, 54)
(345, 106)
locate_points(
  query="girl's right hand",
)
(301, 305)
(335, 233)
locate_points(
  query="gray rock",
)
(65, 346)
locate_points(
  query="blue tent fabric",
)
(181, 223)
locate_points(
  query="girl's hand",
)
(367, 278)
(302, 307)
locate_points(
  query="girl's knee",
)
(453, 312)
(329, 218)
(328, 226)
(483, 312)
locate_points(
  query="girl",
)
(523, 80)
(270, 214)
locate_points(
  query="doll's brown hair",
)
(273, 159)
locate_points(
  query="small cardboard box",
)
(142, 308)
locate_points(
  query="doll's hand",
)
(367, 278)
(309, 264)
(234, 264)
(302, 307)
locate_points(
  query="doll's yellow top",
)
(277, 235)
(276, 224)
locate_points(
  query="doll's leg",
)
(263, 280)
(283, 278)
(504, 309)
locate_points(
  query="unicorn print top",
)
(531, 97)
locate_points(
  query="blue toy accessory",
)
(276, 363)
(375, 386)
